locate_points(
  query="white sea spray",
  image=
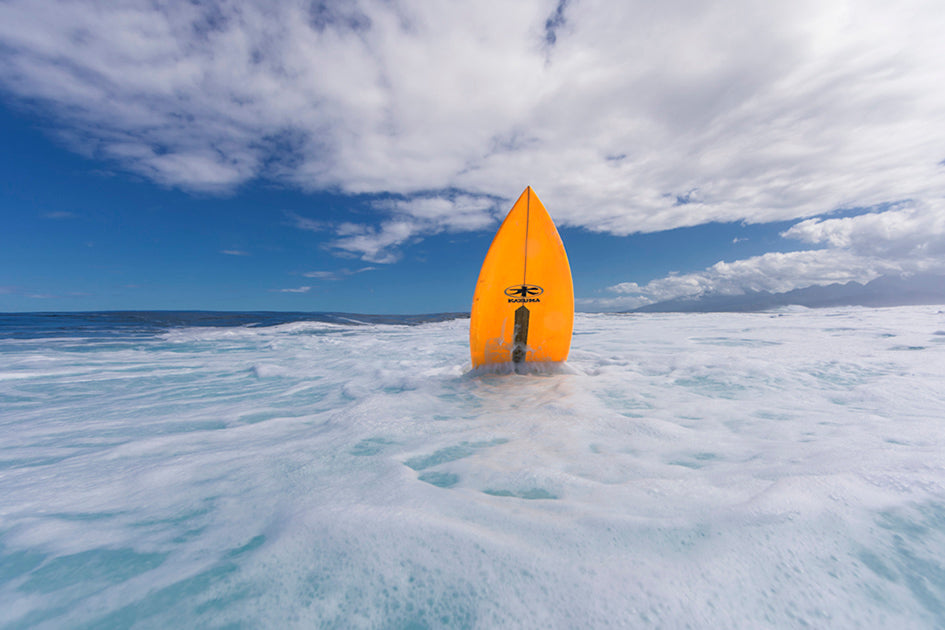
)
(702, 470)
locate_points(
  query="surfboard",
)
(523, 307)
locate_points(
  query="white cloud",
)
(321, 275)
(775, 272)
(296, 290)
(636, 116)
(304, 223)
(234, 252)
(456, 213)
(906, 239)
(910, 231)
(376, 244)
(336, 274)
(410, 219)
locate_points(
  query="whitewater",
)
(767, 470)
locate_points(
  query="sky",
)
(358, 155)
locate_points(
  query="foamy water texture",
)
(709, 471)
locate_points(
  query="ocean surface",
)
(261, 470)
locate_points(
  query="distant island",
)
(883, 291)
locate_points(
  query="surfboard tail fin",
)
(520, 335)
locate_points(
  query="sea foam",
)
(701, 470)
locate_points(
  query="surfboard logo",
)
(524, 293)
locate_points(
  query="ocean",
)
(286, 470)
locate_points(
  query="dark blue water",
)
(108, 324)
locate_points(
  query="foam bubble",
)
(708, 470)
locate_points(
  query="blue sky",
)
(358, 156)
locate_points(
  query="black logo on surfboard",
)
(524, 293)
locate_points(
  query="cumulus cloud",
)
(626, 118)
(775, 272)
(914, 231)
(905, 239)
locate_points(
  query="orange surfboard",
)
(523, 308)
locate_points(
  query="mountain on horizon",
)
(883, 291)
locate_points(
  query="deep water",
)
(266, 470)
